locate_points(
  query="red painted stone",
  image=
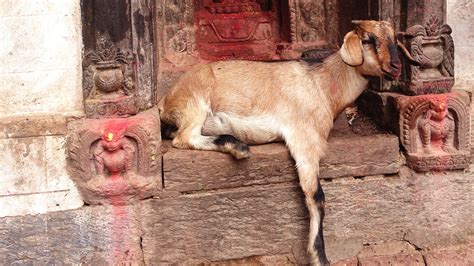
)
(237, 29)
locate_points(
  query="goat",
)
(224, 106)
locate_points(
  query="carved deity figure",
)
(113, 153)
(437, 128)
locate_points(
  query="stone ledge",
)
(348, 155)
(427, 211)
(34, 126)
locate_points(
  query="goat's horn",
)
(356, 22)
(407, 54)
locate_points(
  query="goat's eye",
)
(368, 41)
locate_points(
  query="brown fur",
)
(260, 102)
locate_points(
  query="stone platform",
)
(213, 209)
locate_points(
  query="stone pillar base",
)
(116, 161)
(433, 128)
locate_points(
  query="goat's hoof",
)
(239, 155)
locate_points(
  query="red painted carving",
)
(237, 29)
(115, 161)
(434, 130)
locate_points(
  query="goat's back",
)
(241, 87)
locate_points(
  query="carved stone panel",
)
(108, 86)
(237, 29)
(434, 130)
(433, 47)
(115, 161)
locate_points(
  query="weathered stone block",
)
(116, 161)
(57, 177)
(15, 8)
(224, 225)
(92, 235)
(191, 170)
(23, 94)
(32, 126)
(40, 203)
(32, 166)
(272, 219)
(40, 51)
(457, 255)
(402, 259)
(23, 169)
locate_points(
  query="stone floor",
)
(394, 253)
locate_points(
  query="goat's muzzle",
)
(394, 72)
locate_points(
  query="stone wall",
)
(40, 87)
(460, 15)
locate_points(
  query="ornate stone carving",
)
(115, 161)
(237, 29)
(108, 81)
(308, 24)
(433, 47)
(434, 130)
(313, 18)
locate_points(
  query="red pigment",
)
(237, 30)
(116, 188)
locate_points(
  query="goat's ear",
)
(351, 50)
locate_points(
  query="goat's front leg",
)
(306, 153)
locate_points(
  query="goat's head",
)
(372, 48)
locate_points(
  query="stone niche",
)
(434, 130)
(116, 161)
(194, 32)
(209, 30)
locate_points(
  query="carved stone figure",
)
(434, 130)
(433, 47)
(114, 153)
(437, 128)
(108, 81)
(115, 161)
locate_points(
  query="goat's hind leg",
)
(188, 136)
(306, 154)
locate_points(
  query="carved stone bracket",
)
(433, 128)
(433, 47)
(108, 85)
(115, 161)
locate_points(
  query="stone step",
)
(348, 155)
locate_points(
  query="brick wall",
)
(40, 85)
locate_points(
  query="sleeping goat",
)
(224, 106)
